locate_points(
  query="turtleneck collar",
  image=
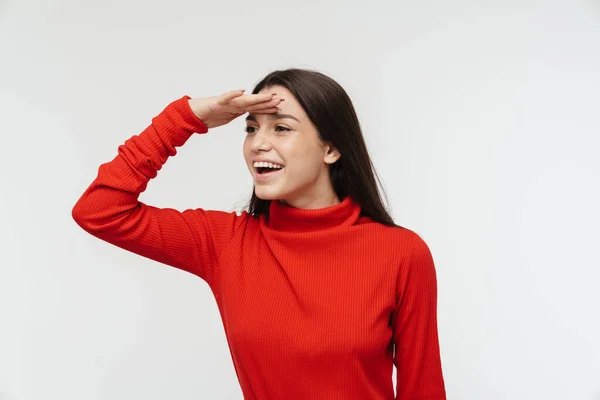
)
(284, 217)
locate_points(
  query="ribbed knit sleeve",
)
(417, 354)
(109, 209)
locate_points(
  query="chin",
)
(264, 193)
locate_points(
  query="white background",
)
(483, 119)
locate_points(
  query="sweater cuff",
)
(178, 121)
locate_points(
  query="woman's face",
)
(286, 157)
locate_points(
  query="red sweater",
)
(313, 302)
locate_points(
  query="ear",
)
(332, 154)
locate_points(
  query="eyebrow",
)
(252, 117)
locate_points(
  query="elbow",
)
(80, 215)
(86, 217)
(100, 220)
(86, 221)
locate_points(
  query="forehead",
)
(290, 105)
(280, 90)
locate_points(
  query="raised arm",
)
(109, 208)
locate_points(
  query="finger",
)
(251, 99)
(229, 96)
(266, 104)
(270, 110)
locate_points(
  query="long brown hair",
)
(330, 109)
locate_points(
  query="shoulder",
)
(401, 237)
(408, 254)
(404, 247)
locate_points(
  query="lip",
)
(266, 176)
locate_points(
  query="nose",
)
(260, 142)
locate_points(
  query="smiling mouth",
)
(266, 170)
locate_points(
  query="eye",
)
(278, 128)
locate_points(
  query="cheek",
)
(310, 156)
(304, 164)
(299, 151)
(246, 150)
(246, 144)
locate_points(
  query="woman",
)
(318, 290)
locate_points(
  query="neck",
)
(312, 204)
(311, 201)
(283, 217)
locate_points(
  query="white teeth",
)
(262, 164)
